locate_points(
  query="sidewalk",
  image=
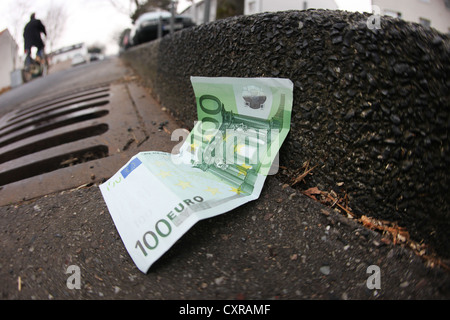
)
(282, 246)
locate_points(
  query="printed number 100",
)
(150, 239)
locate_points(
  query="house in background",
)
(9, 58)
(218, 9)
(197, 11)
(257, 6)
(430, 13)
(69, 53)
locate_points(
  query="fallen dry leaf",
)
(311, 192)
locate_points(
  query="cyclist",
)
(32, 38)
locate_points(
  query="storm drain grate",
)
(62, 140)
(28, 138)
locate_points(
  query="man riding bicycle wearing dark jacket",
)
(32, 37)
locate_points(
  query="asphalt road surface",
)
(80, 76)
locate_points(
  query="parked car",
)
(78, 59)
(146, 26)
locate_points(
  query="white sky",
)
(94, 21)
(89, 21)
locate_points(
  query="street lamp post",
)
(207, 9)
(172, 17)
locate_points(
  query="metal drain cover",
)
(75, 139)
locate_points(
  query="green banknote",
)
(223, 162)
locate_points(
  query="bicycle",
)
(34, 68)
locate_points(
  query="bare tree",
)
(55, 21)
(19, 12)
(150, 5)
(122, 9)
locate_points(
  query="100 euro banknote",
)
(156, 197)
